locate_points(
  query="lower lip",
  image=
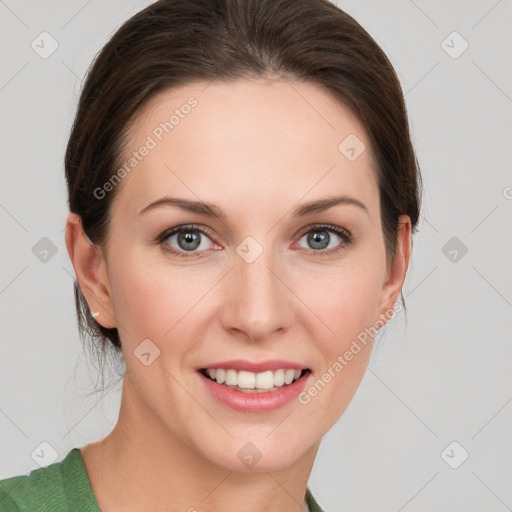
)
(255, 402)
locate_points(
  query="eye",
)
(188, 239)
(320, 237)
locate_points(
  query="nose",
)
(258, 302)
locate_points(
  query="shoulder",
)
(313, 505)
(6, 504)
(44, 489)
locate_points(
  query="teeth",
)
(231, 379)
(289, 375)
(249, 380)
(278, 378)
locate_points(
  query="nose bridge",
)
(258, 304)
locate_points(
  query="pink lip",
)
(255, 402)
(248, 366)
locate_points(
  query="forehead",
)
(246, 144)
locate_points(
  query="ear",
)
(397, 269)
(91, 272)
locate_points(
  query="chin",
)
(257, 453)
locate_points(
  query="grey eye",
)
(188, 239)
(320, 238)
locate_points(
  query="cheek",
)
(146, 300)
(347, 304)
(153, 300)
(346, 300)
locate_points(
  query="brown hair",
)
(174, 42)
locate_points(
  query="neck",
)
(142, 465)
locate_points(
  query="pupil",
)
(190, 240)
(319, 239)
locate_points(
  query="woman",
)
(242, 191)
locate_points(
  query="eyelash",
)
(162, 238)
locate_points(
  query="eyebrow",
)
(213, 211)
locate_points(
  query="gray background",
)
(444, 377)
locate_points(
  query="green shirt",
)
(61, 487)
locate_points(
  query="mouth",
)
(243, 381)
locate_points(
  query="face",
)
(256, 277)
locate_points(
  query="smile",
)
(261, 392)
(251, 382)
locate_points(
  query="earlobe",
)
(397, 269)
(90, 269)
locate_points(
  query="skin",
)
(257, 149)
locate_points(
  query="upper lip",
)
(262, 366)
